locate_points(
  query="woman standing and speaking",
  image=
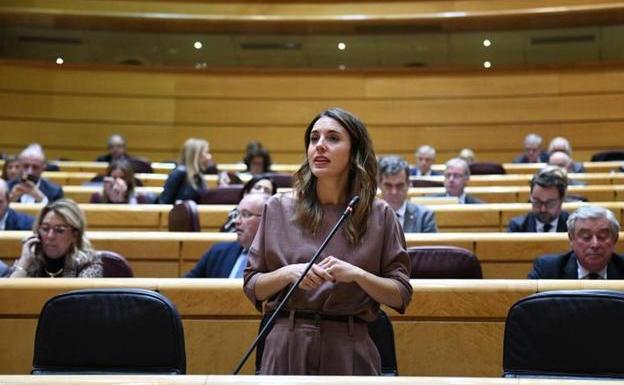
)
(322, 329)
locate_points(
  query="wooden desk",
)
(291, 380)
(457, 321)
(169, 255)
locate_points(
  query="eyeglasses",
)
(247, 214)
(453, 175)
(549, 204)
(57, 230)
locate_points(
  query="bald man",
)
(30, 187)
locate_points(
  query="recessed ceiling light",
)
(342, 46)
(487, 43)
(59, 60)
(342, 67)
(198, 45)
(487, 64)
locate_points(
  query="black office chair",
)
(380, 331)
(565, 334)
(109, 331)
(443, 262)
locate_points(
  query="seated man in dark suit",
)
(9, 218)
(533, 152)
(116, 149)
(228, 259)
(456, 176)
(563, 160)
(548, 189)
(394, 183)
(560, 143)
(30, 187)
(425, 156)
(593, 233)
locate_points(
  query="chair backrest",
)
(141, 166)
(426, 183)
(115, 265)
(565, 333)
(380, 331)
(226, 195)
(109, 331)
(440, 262)
(486, 168)
(281, 180)
(184, 216)
(605, 156)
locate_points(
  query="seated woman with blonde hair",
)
(186, 181)
(59, 246)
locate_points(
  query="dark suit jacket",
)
(49, 189)
(522, 158)
(217, 262)
(419, 219)
(469, 198)
(414, 171)
(564, 266)
(18, 221)
(528, 223)
(177, 187)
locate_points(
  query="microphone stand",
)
(354, 201)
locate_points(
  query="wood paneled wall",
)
(72, 111)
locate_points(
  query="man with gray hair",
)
(593, 233)
(30, 187)
(394, 183)
(456, 176)
(116, 149)
(533, 152)
(561, 144)
(425, 156)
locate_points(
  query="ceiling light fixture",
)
(198, 45)
(342, 46)
(487, 43)
(487, 64)
(59, 60)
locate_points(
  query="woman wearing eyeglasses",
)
(58, 247)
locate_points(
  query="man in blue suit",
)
(9, 218)
(593, 232)
(548, 189)
(228, 259)
(30, 187)
(394, 183)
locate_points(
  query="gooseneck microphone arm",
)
(354, 201)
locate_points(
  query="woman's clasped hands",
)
(329, 269)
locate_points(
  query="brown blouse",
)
(281, 241)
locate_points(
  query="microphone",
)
(352, 203)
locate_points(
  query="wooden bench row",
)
(68, 178)
(170, 255)
(489, 194)
(449, 217)
(165, 168)
(451, 328)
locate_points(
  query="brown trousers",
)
(302, 347)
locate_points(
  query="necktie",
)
(547, 227)
(593, 276)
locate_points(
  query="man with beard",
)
(548, 189)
